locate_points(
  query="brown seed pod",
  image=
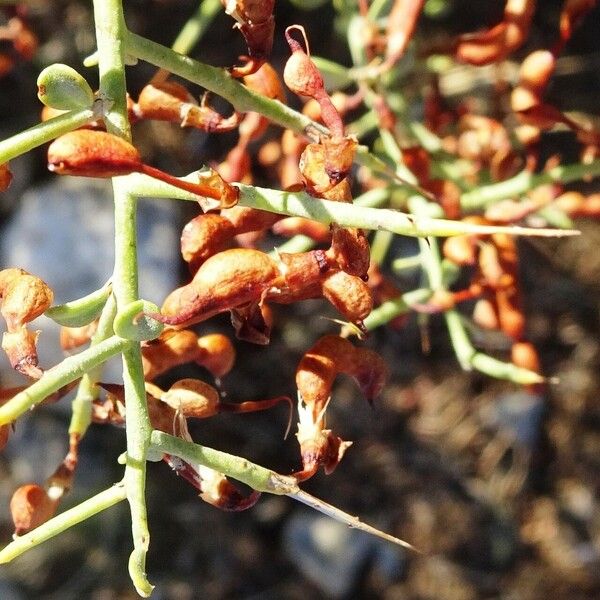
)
(21, 350)
(302, 76)
(460, 249)
(216, 354)
(332, 355)
(193, 398)
(204, 236)
(88, 153)
(485, 315)
(23, 297)
(349, 295)
(536, 70)
(510, 315)
(30, 506)
(315, 375)
(173, 347)
(400, 28)
(495, 44)
(225, 281)
(170, 101)
(524, 355)
(266, 82)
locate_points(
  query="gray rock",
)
(333, 556)
(62, 231)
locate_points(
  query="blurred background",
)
(498, 487)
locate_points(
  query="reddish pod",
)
(256, 22)
(401, 24)
(302, 76)
(315, 375)
(89, 153)
(495, 44)
(214, 351)
(170, 101)
(23, 298)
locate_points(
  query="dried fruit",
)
(30, 506)
(89, 153)
(314, 379)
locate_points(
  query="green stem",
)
(466, 354)
(137, 421)
(111, 35)
(110, 40)
(87, 391)
(88, 508)
(301, 204)
(390, 309)
(70, 369)
(484, 196)
(220, 82)
(43, 132)
(196, 26)
(257, 477)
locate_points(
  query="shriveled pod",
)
(20, 346)
(225, 281)
(315, 375)
(349, 295)
(216, 354)
(196, 399)
(495, 44)
(302, 276)
(536, 70)
(170, 101)
(23, 297)
(204, 236)
(266, 82)
(30, 506)
(485, 314)
(5, 177)
(401, 25)
(510, 313)
(303, 77)
(256, 22)
(173, 347)
(89, 153)
(351, 250)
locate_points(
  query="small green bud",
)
(63, 88)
